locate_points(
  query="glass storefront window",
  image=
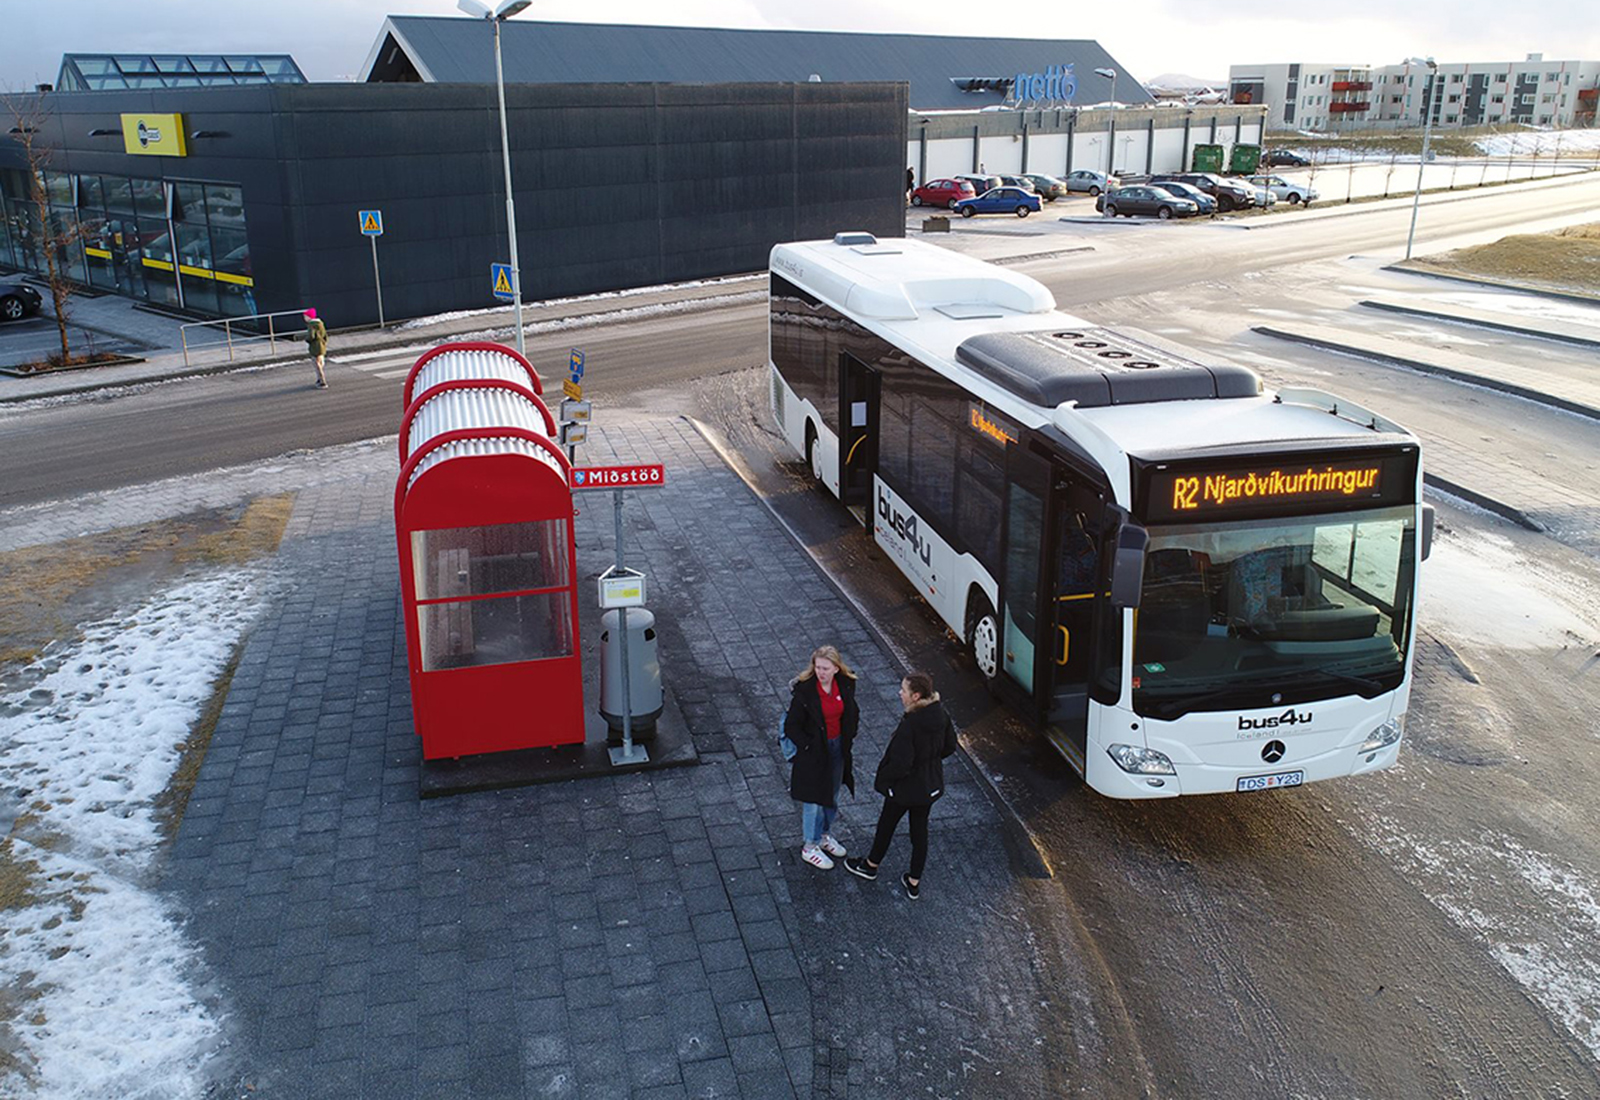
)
(69, 250)
(225, 205)
(90, 200)
(149, 199)
(160, 272)
(118, 192)
(58, 185)
(189, 203)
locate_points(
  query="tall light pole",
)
(1111, 134)
(1427, 126)
(499, 15)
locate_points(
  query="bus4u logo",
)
(1290, 717)
(906, 527)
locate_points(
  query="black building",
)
(235, 200)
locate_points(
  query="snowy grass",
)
(106, 979)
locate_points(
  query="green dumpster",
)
(1207, 158)
(1246, 159)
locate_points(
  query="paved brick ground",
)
(645, 935)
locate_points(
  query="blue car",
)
(1000, 200)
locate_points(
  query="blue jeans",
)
(816, 819)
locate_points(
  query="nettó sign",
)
(1057, 84)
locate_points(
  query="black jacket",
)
(912, 770)
(811, 780)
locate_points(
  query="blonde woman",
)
(822, 722)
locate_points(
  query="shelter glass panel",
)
(497, 631)
(502, 557)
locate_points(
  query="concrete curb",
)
(1470, 280)
(1018, 838)
(1527, 394)
(1476, 322)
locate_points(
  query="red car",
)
(942, 193)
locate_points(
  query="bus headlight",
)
(1139, 761)
(1385, 735)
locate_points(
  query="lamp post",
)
(1427, 127)
(506, 10)
(1110, 74)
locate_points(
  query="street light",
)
(1110, 74)
(499, 15)
(1427, 126)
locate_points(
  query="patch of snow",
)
(1551, 948)
(1544, 143)
(114, 1009)
(1483, 591)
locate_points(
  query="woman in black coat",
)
(821, 724)
(910, 778)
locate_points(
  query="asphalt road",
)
(201, 424)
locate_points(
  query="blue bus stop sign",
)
(575, 363)
(500, 279)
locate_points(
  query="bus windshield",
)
(1262, 612)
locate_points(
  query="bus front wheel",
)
(813, 454)
(983, 637)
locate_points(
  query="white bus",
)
(1189, 584)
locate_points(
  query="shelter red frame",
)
(488, 569)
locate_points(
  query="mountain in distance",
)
(1180, 82)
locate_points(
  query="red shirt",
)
(832, 708)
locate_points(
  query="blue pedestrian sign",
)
(371, 223)
(575, 364)
(500, 278)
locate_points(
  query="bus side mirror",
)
(1127, 565)
(1427, 531)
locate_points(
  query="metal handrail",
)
(229, 337)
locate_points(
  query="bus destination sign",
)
(1265, 488)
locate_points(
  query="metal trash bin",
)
(644, 673)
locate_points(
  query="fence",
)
(244, 331)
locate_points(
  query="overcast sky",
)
(330, 38)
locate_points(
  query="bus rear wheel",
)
(983, 638)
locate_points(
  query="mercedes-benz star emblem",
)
(1273, 751)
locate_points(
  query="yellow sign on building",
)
(154, 135)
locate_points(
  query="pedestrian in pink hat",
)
(317, 342)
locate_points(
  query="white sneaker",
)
(832, 847)
(816, 857)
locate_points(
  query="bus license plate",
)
(1268, 782)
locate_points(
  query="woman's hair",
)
(920, 684)
(829, 652)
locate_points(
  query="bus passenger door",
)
(1022, 560)
(858, 436)
(1077, 590)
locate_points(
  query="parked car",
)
(1128, 201)
(1085, 180)
(1261, 196)
(1295, 193)
(18, 300)
(943, 192)
(1205, 202)
(980, 182)
(1019, 181)
(1000, 200)
(1050, 189)
(1283, 158)
(1230, 194)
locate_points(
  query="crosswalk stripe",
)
(401, 373)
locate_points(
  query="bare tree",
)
(28, 116)
(1388, 173)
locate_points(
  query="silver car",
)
(1085, 180)
(1294, 193)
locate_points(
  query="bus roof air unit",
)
(1093, 368)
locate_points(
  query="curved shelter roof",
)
(945, 73)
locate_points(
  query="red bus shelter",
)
(488, 571)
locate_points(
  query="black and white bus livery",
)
(1190, 584)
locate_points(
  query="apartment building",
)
(1533, 92)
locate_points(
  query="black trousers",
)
(889, 820)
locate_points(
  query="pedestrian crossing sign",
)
(372, 223)
(500, 276)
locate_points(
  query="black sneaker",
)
(858, 867)
(913, 890)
